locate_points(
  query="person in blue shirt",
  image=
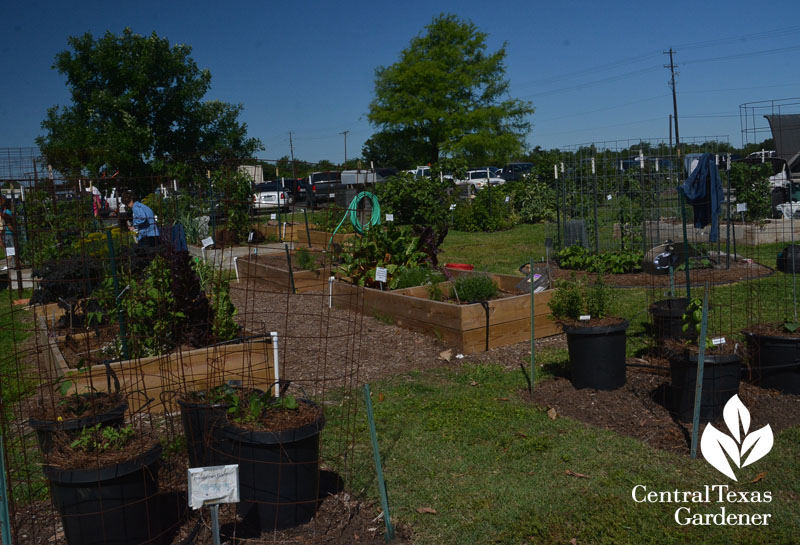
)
(144, 221)
(8, 228)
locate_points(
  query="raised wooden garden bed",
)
(152, 381)
(273, 272)
(463, 326)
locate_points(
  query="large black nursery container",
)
(774, 361)
(278, 471)
(721, 374)
(199, 419)
(45, 429)
(597, 355)
(668, 319)
(112, 505)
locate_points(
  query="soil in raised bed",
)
(278, 260)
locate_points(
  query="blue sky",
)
(594, 71)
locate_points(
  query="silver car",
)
(272, 196)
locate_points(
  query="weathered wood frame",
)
(462, 326)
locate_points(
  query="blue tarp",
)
(703, 190)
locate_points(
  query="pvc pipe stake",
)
(275, 365)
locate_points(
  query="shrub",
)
(305, 260)
(472, 288)
(751, 185)
(573, 298)
(488, 211)
(416, 201)
(533, 200)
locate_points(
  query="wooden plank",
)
(153, 382)
(304, 281)
(509, 317)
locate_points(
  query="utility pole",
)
(672, 67)
(345, 145)
(670, 131)
(291, 150)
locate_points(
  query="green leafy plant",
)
(253, 406)
(305, 260)
(573, 298)
(150, 311)
(750, 184)
(533, 199)
(790, 325)
(579, 258)
(488, 211)
(472, 288)
(407, 277)
(389, 247)
(99, 438)
(693, 321)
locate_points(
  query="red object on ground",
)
(460, 266)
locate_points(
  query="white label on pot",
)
(214, 484)
(741, 207)
(208, 241)
(389, 217)
(718, 341)
(273, 216)
(380, 274)
(585, 318)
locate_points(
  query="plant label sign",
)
(250, 237)
(273, 216)
(380, 274)
(208, 241)
(741, 207)
(11, 251)
(585, 317)
(389, 217)
(508, 198)
(718, 341)
(212, 485)
(452, 207)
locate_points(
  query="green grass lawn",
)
(499, 252)
(494, 468)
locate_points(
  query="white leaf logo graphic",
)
(715, 444)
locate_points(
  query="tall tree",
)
(447, 95)
(137, 108)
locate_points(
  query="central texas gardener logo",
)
(741, 447)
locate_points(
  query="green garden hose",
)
(352, 212)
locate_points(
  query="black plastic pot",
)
(721, 374)
(668, 319)
(597, 356)
(775, 361)
(45, 429)
(109, 505)
(278, 472)
(199, 419)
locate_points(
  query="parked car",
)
(272, 196)
(515, 171)
(321, 187)
(481, 177)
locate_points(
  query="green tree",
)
(137, 108)
(448, 95)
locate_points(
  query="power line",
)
(625, 105)
(744, 55)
